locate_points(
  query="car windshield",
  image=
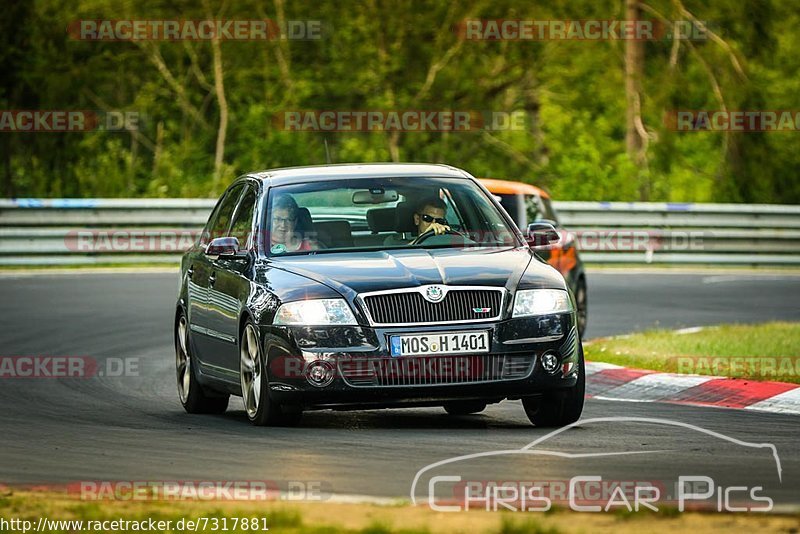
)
(382, 213)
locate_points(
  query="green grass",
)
(525, 526)
(769, 351)
(330, 518)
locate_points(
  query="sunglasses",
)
(429, 219)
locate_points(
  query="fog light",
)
(550, 362)
(319, 373)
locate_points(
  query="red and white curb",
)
(606, 381)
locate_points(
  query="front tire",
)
(581, 303)
(260, 408)
(194, 398)
(558, 408)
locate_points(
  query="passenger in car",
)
(429, 215)
(287, 232)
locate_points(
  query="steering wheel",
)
(429, 233)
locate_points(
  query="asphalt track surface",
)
(133, 428)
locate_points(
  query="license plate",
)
(439, 343)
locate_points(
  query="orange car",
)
(525, 204)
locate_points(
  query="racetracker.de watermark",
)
(408, 120)
(764, 367)
(200, 490)
(431, 368)
(65, 120)
(579, 30)
(194, 30)
(733, 120)
(121, 240)
(615, 240)
(39, 366)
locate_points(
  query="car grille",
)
(434, 370)
(457, 306)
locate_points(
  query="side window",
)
(205, 237)
(539, 208)
(218, 224)
(549, 212)
(533, 209)
(453, 215)
(509, 203)
(243, 220)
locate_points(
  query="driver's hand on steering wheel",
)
(438, 229)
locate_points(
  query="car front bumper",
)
(361, 373)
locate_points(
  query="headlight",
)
(315, 313)
(541, 302)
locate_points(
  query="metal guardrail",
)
(685, 233)
(91, 231)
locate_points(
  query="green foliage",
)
(389, 56)
(768, 346)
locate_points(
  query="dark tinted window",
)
(547, 209)
(475, 220)
(510, 204)
(243, 221)
(220, 220)
(539, 208)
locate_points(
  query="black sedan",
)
(373, 286)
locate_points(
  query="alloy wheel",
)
(250, 362)
(183, 363)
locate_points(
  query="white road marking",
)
(689, 330)
(722, 279)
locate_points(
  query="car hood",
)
(360, 272)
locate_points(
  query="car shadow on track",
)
(397, 419)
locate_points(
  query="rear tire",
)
(581, 303)
(464, 407)
(558, 408)
(193, 397)
(261, 410)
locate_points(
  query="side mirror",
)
(542, 234)
(223, 246)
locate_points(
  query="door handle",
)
(212, 279)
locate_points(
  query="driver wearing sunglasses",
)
(429, 215)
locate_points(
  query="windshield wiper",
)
(339, 250)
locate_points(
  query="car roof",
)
(507, 187)
(321, 173)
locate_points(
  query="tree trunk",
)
(219, 86)
(635, 136)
